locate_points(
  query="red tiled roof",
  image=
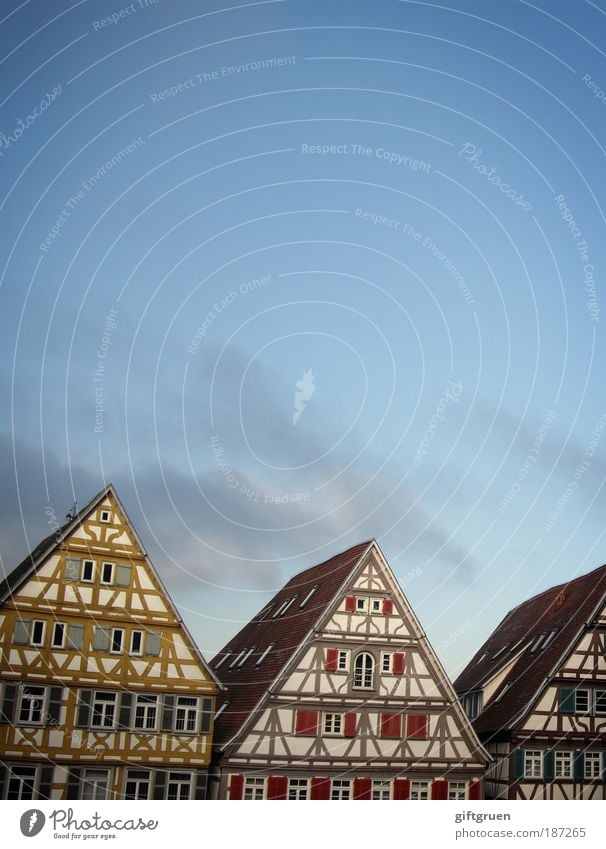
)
(245, 685)
(562, 611)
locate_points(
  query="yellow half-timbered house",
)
(103, 692)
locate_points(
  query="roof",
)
(246, 684)
(541, 632)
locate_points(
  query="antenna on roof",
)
(73, 512)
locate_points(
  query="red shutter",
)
(416, 726)
(474, 790)
(387, 606)
(439, 789)
(391, 725)
(350, 603)
(332, 656)
(236, 785)
(399, 660)
(277, 787)
(351, 721)
(401, 788)
(320, 788)
(362, 788)
(307, 722)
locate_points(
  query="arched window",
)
(364, 668)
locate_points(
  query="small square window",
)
(340, 789)
(107, 573)
(179, 785)
(361, 604)
(375, 605)
(533, 763)
(105, 516)
(343, 661)
(58, 641)
(88, 571)
(117, 640)
(456, 789)
(333, 724)
(254, 788)
(381, 790)
(104, 710)
(136, 642)
(563, 764)
(593, 763)
(297, 788)
(38, 632)
(419, 790)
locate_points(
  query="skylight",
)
(550, 637)
(236, 659)
(283, 607)
(223, 659)
(536, 643)
(221, 709)
(502, 693)
(308, 596)
(246, 656)
(265, 653)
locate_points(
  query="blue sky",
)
(201, 203)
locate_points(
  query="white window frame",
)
(595, 702)
(114, 633)
(364, 672)
(92, 572)
(148, 709)
(54, 643)
(376, 605)
(103, 703)
(387, 656)
(298, 788)
(457, 790)
(113, 569)
(26, 694)
(563, 764)
(95, 782)
(132, 639)
(40, 642)
(180, 779)
(342, 660)
(595, 759)
(361, 604)
(333, 724)
(105, 516)
(340, 789)
(254, 788)
(589, 708)
(186, 711)
(419, 790)
(533, 763)
(132, 777)
(21, 773)
(381, 789)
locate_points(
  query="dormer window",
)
(105, 516)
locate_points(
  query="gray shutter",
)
(126, 700)
(518, 763)
(72, 569)
(123, 574)
(579, 765)
(101, 640)
(8, 706)
(566, 700)
(167, 713)
(160, 784)
(206, 715)
(72, 789)
(75, 636)
(3, 774)
(200, 788)
(21, 635)
(83, 715)
(548, 765)
(54, 705)
(152, 643)
(46, 782)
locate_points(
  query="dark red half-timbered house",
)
(334, 692)
(536, 691)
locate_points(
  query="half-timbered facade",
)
(103, 693)
(536, 691)
(333, 692)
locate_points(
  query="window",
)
(342, 661)
(88, 571)
(340, 789)
(473, 704)
(533, 763)
(333, 724)
(107, 573)
(297, 788)
(363, 671)
(58, 640)
(38, 632)
(105, 516)
(224, 658)
(136, 642)
(246, 656)
(381, 790)
(581, 701)
(95, 783)
(600, 701)
(236, 659)
(31, 705)
(375, 605)
(308, 596)
(104, 711)
(386, 661)
(265, 653)
(254, 788)
(563, 764)
(186, 714)
(361, 604)
(117, 640)
(536, 643)
(456, 789)
(21, 782)
(593, 763)
(419, 790)
(146, 712)
(137, 784)
(179, 785)
(284, 607)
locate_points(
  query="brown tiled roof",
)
(246, 685)
(561, 611)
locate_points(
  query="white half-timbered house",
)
(333, 692)
(536, 692)
(103, 693)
